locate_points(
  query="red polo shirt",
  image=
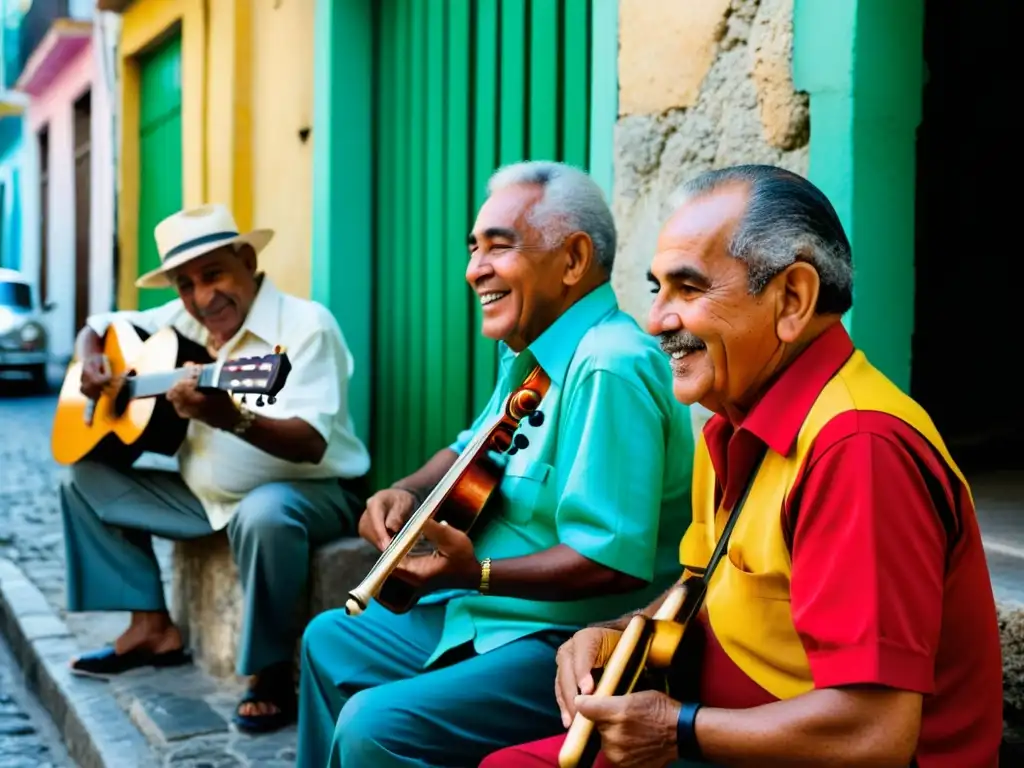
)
(889, 580)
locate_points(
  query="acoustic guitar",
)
(131, 417)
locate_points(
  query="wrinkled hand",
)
(95, 375)
(585, 651)
(637, 730)
(214, 407)
(452, 566)
(386, 512)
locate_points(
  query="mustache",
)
(681, 341)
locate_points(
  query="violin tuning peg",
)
(271, 399)
(536, 418)
(521, 442)
(512, 451)
(259, 401)
(243, 399)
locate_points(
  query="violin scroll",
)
(523, 403)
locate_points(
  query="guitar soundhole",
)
(124, 395)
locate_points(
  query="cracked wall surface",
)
(701, 85)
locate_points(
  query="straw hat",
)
(188, 234)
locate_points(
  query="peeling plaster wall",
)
(721, 93)
(701, 85)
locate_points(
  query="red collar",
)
(779, 414)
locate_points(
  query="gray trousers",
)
(110, 515)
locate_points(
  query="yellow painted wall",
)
(216, 121)
(282, 105)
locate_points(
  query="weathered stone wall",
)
(701, 85)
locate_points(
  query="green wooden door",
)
(159, 154)
(462, 87)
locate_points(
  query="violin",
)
(458, 499)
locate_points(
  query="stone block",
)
(166, 717)
(338, 568)
(206, 596)
(206, 600)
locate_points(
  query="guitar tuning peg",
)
(259, 401)
(271, 399)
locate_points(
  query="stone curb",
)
(96, 731)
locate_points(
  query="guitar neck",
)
(154, 384)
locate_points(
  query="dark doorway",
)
(44, 214)
(968, 270)
(83, 113)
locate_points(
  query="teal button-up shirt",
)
(606, 473)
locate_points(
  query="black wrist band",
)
(686, 736)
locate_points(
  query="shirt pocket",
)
(527, 490)
(748, 584)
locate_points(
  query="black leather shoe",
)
(106, 661)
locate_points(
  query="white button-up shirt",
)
(221, 468)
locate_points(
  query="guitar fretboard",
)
(153, 384)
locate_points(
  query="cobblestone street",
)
(31, 533)
(183, 714)
(28, 738)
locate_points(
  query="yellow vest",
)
(748, 600)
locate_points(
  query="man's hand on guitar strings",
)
(453, 565)
(215, 407)
(637, 730)
(95, 375)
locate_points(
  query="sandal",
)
(273, 687)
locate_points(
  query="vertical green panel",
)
(575, 88)
(459, 300)
(436, 361)
(861, 63)
(400, 288)
(342, 263)
(160, 155)
(544, 104)
(485, 145)
(401, 282)
(417, 264)
(604, 91)
(387, 370)
(512, 46)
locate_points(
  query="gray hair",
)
(788, 219)
(572, 202)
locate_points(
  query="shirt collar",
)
(779, 414)
(554, 348)
(264, 315)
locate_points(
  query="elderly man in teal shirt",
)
(592, 509)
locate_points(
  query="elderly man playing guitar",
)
(849, 620)
(280, 481)
(586, 509)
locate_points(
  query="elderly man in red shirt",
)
(850, 620)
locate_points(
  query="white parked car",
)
(24, 346)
